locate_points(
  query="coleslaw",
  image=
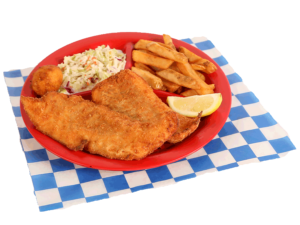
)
(82, 71)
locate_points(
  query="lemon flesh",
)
(193, 105)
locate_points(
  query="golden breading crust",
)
(46, 78)
(128, 93)
(187, 125)
(81, 124)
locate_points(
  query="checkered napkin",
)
(249, 135)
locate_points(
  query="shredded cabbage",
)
(82, 71)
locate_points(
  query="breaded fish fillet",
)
(128, 93)
(186, 126)
(81, 124)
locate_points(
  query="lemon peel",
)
(193, 105)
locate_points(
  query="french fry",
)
(144, 67)
(200, 75)
(195, 59)
(165, 68)
(187, 70)
(168, 41)
(153, 81)
(171, 87)
(178, 78)
(163, 88)
(141, 44)
(166, 53)
(192, 57)
(155, 69)
(147, 51)
(209, 66)
(198, 67)
(179, 90)
(212, 86)
(151, 60)
(174, 67)
(188, 93)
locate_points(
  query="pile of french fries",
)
(166, 68)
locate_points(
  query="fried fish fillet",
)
(186, 126)
(81, 124)
(128, 93)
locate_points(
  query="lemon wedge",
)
(193, 105)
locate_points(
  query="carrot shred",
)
(88, 67)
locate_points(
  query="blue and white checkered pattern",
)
(249, 135)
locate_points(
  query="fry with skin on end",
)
(170, 86)
(166, 53)
(144, 67)
(178, 78)
(188, 93)
(151, 60)
(195, 59)
(198, 67)
(153, 81)
(141, 44)
(187, 70)
(168, 41)
(209, 66)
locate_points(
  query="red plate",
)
(208, 128)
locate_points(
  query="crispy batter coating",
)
(81, 124)
(128, 93)
(187, 125)
(46, 78)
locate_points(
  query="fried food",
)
(166, 52)
(170, 86)
(200, 75)
(189, 92)
(179, 90)
(168, 41)
(142, 44)
(153, 81)
(151, 60)
(209, 66)
(81, 124)
(187, 125)
(46, 78)
(183, 61)
(195, 59)
(129, 94)
(174, 67)
(178, 78)
(144, 67)
(187, 70)
(156, 69)
(198, 67)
